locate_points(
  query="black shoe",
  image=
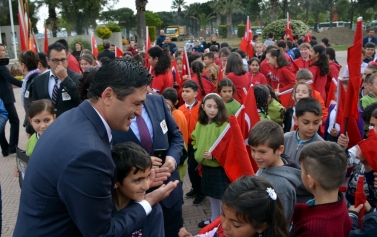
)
(199, 199)
(12, 151)
(5, 154)
(191, 194)
(202, 224)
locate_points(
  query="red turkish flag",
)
(45, 42)
(118, 52)
(288, 28)
(185, 64)
(246, 41)
(94, 46)
(360, 198)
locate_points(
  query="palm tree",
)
(141, 25)
(203, 21)
(274, 9)
(228, 7)
(192, 10)
(178, 4)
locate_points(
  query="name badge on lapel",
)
(65, 95)
(164, 127)
(27, 93)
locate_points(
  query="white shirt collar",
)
(108, 130)
(191, 105)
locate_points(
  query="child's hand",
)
(359, 154)
(156, 162)
(207, 155)
(367, 206)
(184, 233)
(334, 132)
(186, 77)
(343, 141)
(356, 209)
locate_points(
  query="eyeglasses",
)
(56, 60)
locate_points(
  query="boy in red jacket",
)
(323, 170)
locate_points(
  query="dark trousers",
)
(173, 220)
(14, 130)
(195, 179)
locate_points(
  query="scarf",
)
(24, 83)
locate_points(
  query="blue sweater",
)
(3, 111)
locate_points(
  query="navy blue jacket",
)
(6, 81)
(160, 40)
(172, 140)
(369, 228)
(69, 181)
(373, 40)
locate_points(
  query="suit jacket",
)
(6, 81)
(373, 40)
(106, 53)
(69, 85)
(67, 192)
(172, 140)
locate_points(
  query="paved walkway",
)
(11, 190)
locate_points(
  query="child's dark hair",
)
(190, 84)
(370, 45)
(369, 79)
(38, 106)
(197, 68)
(164, 60)
(368, 112)
(268, 133)
(213, 48)
(224, 52)
(308, 105)
(170, 94)
(326, 162)
(85, 81)
(295, 88)
(249, 199)
(281, 60)
(261, 94)
(323, 61)
(221, 116)
(234, 64)
(252, 60)
(192, 58)
(129, 155)
(331, 53)
(282, 44)
(226, 82)
(304, 74)
(273, 94)
(210, 56)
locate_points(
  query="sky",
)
(153, 5)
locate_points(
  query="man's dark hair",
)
(214, 48)
(289, 44)
(106, 44)
(295, 37)
(56, 46)
(270, 35)
(268, 133)
(241, 53)
(113, 45)
(122, 76)
(170, 94)
(313, 42)
(42, 59)
(370, 45)
(128, 156)
(309, 105)
(282, 44)
(64, 43)
(300, 41)
(314, 38)
(255, 37)
(224, 44)
(190, 84)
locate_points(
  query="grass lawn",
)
(340, 47)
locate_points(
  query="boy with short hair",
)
(215, 50)
(323, 170)
(308, 119)
(133, 167)
(209, 58)
(371, 84)
(191, 111)
(304, 75)
(267, 145)
(369, 52)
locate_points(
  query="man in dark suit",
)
(370, 38)
(7, 95)
(154, 129)
(106, 52)
(69, 180)
(60, 84)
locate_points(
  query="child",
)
(258, 50)
(215, 50)
(346, 74)
(179, 65)
(275, 110)
(223, 55)
(266, 140)
(304, 61)
(320, 69)
(334, 65)
(213, 72)
(160, 60)
(250, 208)
(255, 77)
(371, 84)
(209, 58)
(308, 119)
(369, 228)
(199, 76)
(323, 169)
(212, 121)
(133, 167)
(236, 72)
(226, 90)
(171, 98)
(300, 90)
(304, 75)
(197, 48)
(191, 111)
(41, 115)
(262, 98)
(244, 60)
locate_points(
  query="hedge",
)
(114, 27)
(103, 32)
(223, 31)
(100, 48)
(241, 30)
(152, 33)
(86, 44)
(278, 28)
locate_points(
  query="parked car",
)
(258, 31)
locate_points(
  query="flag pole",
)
(14, 32)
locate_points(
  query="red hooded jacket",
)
(320, 82)
(282, 78)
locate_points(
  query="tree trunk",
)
(218, 19)
(141, 28)
(307, 7)
(53, 20)
(351, 14)
(211, 30)
(316, 18)
(331, 12)
(229, 24)
(274, 9)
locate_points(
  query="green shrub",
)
(241, 30)
(152, 33)
(100, 48)
(86, 44)
(223, 31)
(278, 28)
(103, 32)
(114, 27)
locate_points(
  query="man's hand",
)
(156, 162)
(161, 193)
(184, 233)
(169, 163)
(61, 72)
(343, 141)
(158, 176)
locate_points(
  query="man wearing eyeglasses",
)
(59, 85)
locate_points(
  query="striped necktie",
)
(54, 95)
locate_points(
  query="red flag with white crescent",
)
(94, 46)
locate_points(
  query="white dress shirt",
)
(51, 83)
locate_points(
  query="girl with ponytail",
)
(321, 70)
(199, 76)
(160, 60)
